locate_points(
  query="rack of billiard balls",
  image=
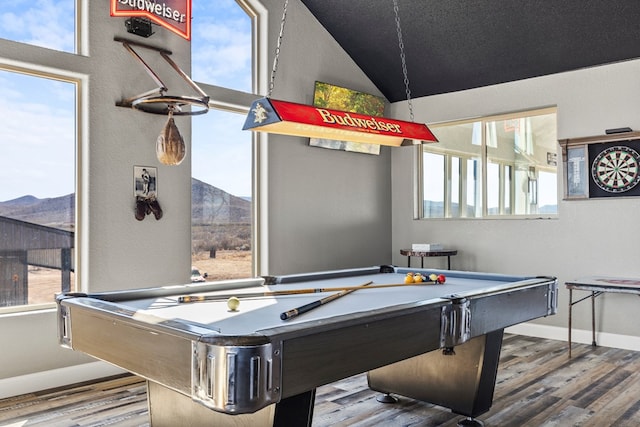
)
(436, 279)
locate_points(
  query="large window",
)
(38, 139)
(498, 166)
(221, 231)
(37, 187)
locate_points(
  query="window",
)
(497, 166)
(37, 188)
(221, 220)
(221, 196)
(45, 23)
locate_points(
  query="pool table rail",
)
(243, 373)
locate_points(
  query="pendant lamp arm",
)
(278, 44)
(402, 58)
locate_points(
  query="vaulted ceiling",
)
(453, 45)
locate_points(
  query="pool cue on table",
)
(200, 298)
(317, 303)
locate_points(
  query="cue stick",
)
(317, 303)
(200, 298)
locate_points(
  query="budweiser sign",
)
(174, 15)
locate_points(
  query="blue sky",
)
(221, 50)
(37, 137)
(221, 55)
(47, 23)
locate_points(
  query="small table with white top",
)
(432, 253)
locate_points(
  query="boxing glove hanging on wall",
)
(146, 206)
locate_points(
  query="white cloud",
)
(37, 138)
(222, 152)
(221, 46)
(221, 55)
(45, 23)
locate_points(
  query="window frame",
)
(419, 167)
(80, 81)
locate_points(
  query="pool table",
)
(208, 365)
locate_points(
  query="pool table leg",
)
(463, 380)
(295, 410)
(170, 408)
(593, 318)
(570, 318)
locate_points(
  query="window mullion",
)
(501, 189)
(447, 186)
(464, 188)
(483, 168)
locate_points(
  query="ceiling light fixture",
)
(288, 118)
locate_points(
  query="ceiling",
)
(453, 45)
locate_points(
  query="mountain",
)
(56, 212)
(210, 205)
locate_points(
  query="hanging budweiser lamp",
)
(288, 118)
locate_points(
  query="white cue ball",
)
(233, 303)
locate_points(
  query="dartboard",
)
(616, 169)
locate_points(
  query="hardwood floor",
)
(538, 385)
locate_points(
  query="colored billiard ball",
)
(433, 277)
(441, 278)
(233, 303)
(408, 278)
(417, 278)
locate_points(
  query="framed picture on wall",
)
(326, 95)
(145, 184)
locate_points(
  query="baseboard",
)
(581, 336)
(31, 383)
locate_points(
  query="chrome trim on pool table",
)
(236, 379)
(455, 323)
(64, 327)
(552, 304)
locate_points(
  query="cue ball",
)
(233, 303)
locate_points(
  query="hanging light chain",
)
(402, 58)
(275, 60)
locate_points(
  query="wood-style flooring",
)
(537, 385)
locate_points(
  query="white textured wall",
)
(590, 236)
(123, 252)
(327, 209)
